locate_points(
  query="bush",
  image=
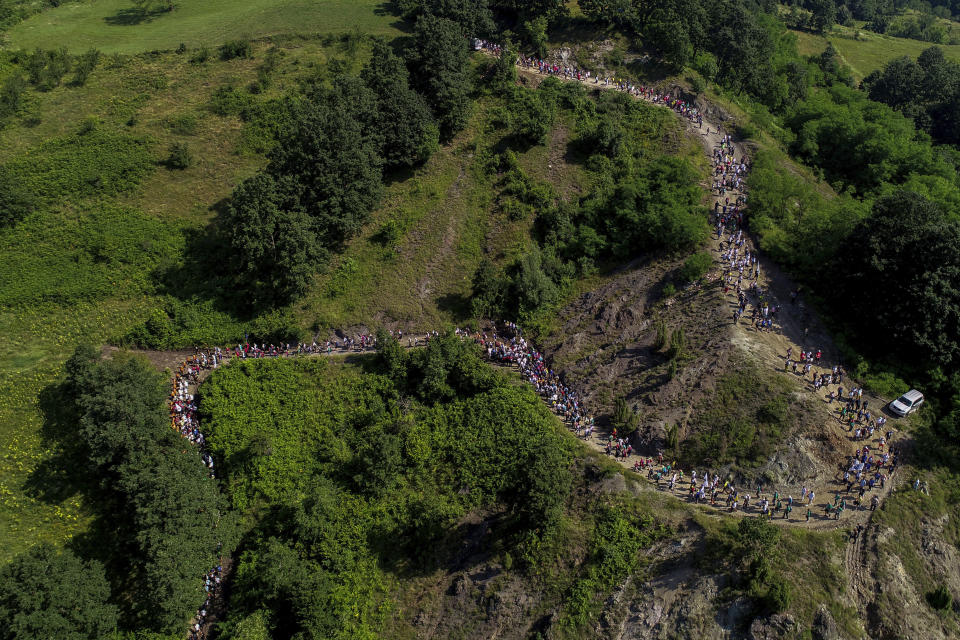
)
(695, 267)
(47, 68)
(230, 101)
(11, 95)
(778, 595)
(201, 56)
(660, 341)
(156, 496)
(624, 418)
(86, 63)
(46, 594)
(184, 124)
(940, 598)
(179, 156)
(235, 49)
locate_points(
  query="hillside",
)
(865, 51)
(260, 269)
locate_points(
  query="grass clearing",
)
(80, 267)
(114, 26)
(865, 51)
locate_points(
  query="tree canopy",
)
(49, 594)
(156, 497)
(901, 266)
(438, 59)
(409, 133)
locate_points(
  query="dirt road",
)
(797, 328)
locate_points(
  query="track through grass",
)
(865, 51)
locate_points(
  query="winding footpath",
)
(796, 328)
(793, 327)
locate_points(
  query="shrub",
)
(85, 64)
(661, 339)
(230, 101)
(201, 56)
(778, 595)
(678, 344)
(625, 419)
(697, 84)
(183, 124)
(47, 68)
(11, 95)
(940, 598)
(235, 49)
(695, 267)
(179, 156)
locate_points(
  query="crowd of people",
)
(863, 472)
(569, 71)
(512, 348)
(868, 468)
(184, 420)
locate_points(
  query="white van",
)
(907, 403)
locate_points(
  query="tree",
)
(393, 358)
(535, 33)
(473, 16)
(532, 9)
(439, 62)
(532, 288)
(158, 507)
(903, 265)
(897, 85)
(331, 156)
(410, 134)
(824, 14)
(273, 248)
(50, 594)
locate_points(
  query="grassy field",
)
(865, 51)
(82, 267)
(86, 265)
(114, 26)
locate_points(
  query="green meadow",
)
(114, 26)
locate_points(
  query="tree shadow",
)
(133, 16)
(67, 473)
(457, 304)
(62, 475)
(203, 275)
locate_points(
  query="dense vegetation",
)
(927, 90)
(642, 201)
(352, 475)
(159, 521)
